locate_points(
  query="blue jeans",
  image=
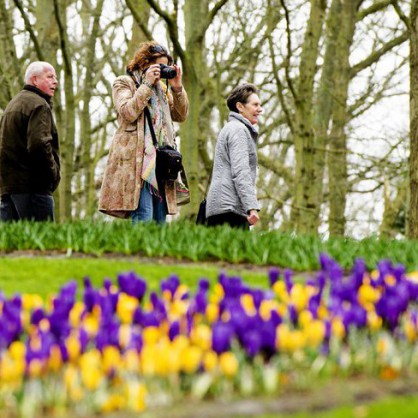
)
(27, 206)
(150, 207)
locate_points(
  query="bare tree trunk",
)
(67, 132)
(413, 158)
(303, 210)
(91, 32)
(323, 113)
(337, 161)
(10, 70)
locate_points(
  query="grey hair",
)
(36, 68)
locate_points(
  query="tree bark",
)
(303, 208)
(413, 100)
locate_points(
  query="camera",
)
(167, 72)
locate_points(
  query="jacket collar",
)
(252, 128)
(38, 92)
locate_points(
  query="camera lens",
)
(167, 72)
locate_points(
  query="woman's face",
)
(252, 109)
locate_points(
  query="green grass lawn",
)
(399, 407)
(46, 275)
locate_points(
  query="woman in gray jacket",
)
(232, 197)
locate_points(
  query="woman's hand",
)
(153, 74)
(253, 217)
(175, 82)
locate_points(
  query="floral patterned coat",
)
(122, 182)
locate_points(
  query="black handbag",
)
(169, 162)
(201, 215)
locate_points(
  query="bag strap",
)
(209, 179)
(151, 127)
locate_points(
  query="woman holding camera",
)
(232, 197)
(130, 188)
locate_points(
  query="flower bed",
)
(118, 348)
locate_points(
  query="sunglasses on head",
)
(158, 49)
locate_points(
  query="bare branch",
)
(30, 30)
(63, 38)
(401, 14)
(139, 20)
(376, 55)
(376, 7)
(172, 29)
(289, 50)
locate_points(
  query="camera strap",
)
(151, 127)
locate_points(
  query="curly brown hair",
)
(146, 54)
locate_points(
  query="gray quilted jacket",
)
(232, 187)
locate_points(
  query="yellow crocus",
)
(91, 377)
(279, 289)
(390, 280)
(374, 321)
(266, 307)
(178, 308)
(191, 359)
(202, 336)
(367, 295)
(410, 331)
(151, 335)
(296, 341)
(210, 361)
(148, 361)
(114, 402)
(91, 324)
(247, 302)
(228, 364)
(75, 314)
(35, 368)
(31, 301)
(131, 360)
(126, 307)
(212, 312)
(111, 358)
(125, 334)
(299, 296)
(337, 328)
(322, 312)
(217, 295)
(181, 291)
(17, 350)
(315, 333)
(305, 318)
(73, 346)
(55, 359)
(282, 336)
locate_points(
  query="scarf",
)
(164, 131)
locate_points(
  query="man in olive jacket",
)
(29, 149)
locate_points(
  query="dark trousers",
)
(27, 206)
(229, 218)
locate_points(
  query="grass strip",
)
(45, 276)
(186, 241)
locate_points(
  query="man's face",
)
(46, 81)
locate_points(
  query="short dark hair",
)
(240, 94)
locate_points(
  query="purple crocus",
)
(174, 330)
(274, 276)
(133, 285)
(170, 285)
(222, 334)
